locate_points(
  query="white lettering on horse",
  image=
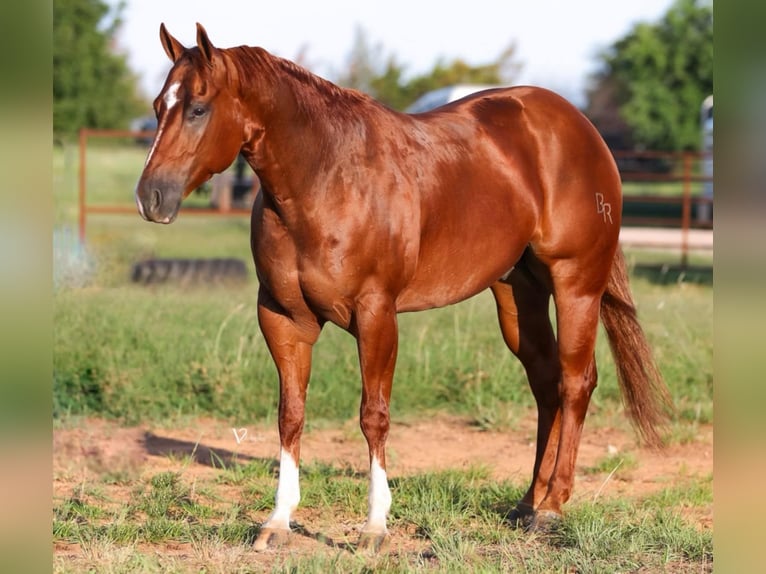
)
(603, 207)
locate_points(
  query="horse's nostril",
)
(156, 200)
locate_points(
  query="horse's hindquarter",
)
(578, 179)
(533, 171)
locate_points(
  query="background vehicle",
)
(436, 98)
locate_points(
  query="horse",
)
(365, 213)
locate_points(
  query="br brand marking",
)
(603, 207)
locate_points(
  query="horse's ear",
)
(206, 48)
(173, 48)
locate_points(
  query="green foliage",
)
(658, 75)
(501, 71)
(388, 82)
(92, 84)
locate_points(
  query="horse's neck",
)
(305, 122)
(285, 137)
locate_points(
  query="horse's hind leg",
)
(290, 347)
(577, 294)
(522, 305)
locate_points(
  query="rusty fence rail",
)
(84, 208)
(652, 170)
(645, 204)
(671, 193)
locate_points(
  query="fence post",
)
(81, 196)
(686, 214)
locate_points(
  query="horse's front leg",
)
(290, 345)
(375, 328)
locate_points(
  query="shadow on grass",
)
(671, 274)
(301, 530)
(200, 453)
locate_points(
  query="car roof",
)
(436, 98)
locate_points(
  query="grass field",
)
(447, 521)
(115, 346)
(167, 356)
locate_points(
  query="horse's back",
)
(545, 139)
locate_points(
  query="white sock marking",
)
(379, 500)
(288, 493)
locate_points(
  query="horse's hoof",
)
(372, 542)
(544, 522)
(521, 516)
(271, 538)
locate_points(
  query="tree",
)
(653, 81)
(92, 84)
(501, 71)
(387, 82)
(363, 62)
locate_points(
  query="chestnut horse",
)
(365, 213)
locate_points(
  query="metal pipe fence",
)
(661, 190)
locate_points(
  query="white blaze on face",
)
(171, 96)
(288, 493)
(171, 99)
(379, 500)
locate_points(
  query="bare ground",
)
(86, 453)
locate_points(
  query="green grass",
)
(660, 188)
(612, 463)
(457, 518)
(149, 354)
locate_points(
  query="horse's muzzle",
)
(156, 202)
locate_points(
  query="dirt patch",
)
(97, 447)
(96, 451)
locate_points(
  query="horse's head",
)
(199, 128)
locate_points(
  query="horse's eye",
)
(198, 111)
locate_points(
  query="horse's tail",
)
(645, 395)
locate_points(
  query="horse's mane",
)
(315, 95)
